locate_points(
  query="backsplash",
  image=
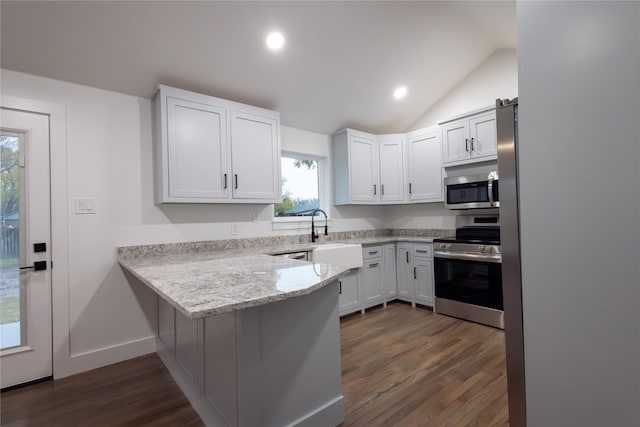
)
(257, 242)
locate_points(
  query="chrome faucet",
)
(314, 235)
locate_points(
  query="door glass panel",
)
(12, 281)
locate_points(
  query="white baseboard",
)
(93, 359)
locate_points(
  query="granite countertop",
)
(207, 278)
(206, 284)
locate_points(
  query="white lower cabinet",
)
(390, 281)
(414, 269)
(350, 293)
(401, 271)
(404, 272)
(373, 276)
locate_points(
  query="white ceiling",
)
(339, 67)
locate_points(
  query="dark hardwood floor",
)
(400, 367)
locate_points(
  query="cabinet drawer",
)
(369, 252)
(424, 251)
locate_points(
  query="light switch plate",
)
(85, 205)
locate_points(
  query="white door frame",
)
(59, 225)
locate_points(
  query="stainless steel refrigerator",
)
(507, 131)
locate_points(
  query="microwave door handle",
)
(490, 191)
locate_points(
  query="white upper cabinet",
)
(363, 164)
(355, 168)
(470, 139)
(391, 148)
(483, 133)
(424, 182)
(255, 159)
(368, 169)
(210, 150)
(197, 150)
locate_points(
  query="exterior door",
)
(25, 242)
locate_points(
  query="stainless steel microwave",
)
(472, 192)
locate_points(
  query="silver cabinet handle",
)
(375, 264)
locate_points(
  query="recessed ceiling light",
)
(275, 41)
(400, 92)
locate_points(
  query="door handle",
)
(37, 266)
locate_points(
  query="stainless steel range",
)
(468, 271)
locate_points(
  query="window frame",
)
(295, 222)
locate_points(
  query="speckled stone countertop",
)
(206, 284)
(203, 279)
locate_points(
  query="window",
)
(302, 185)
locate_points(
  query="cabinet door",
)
(482, 131)
(423, 273)
(372, 276)
(363, 169)
(255, 157)
(350, 293)
(197, 150)
(391, 168)
(390, 281)
(404, 273)
(455, 142)
(425, 168)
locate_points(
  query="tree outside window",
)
(300, 187)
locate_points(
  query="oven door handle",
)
(465, 256)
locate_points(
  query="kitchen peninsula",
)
(250, 338)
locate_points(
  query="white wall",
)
(496, 77)
(109, 159)
(579, 161)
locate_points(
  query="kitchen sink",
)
(347, 255)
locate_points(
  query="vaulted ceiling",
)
(339, 66)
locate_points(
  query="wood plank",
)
(410, 367)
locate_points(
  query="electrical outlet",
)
(235, 229)
(85, 205)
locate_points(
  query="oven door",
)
(469, 281)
